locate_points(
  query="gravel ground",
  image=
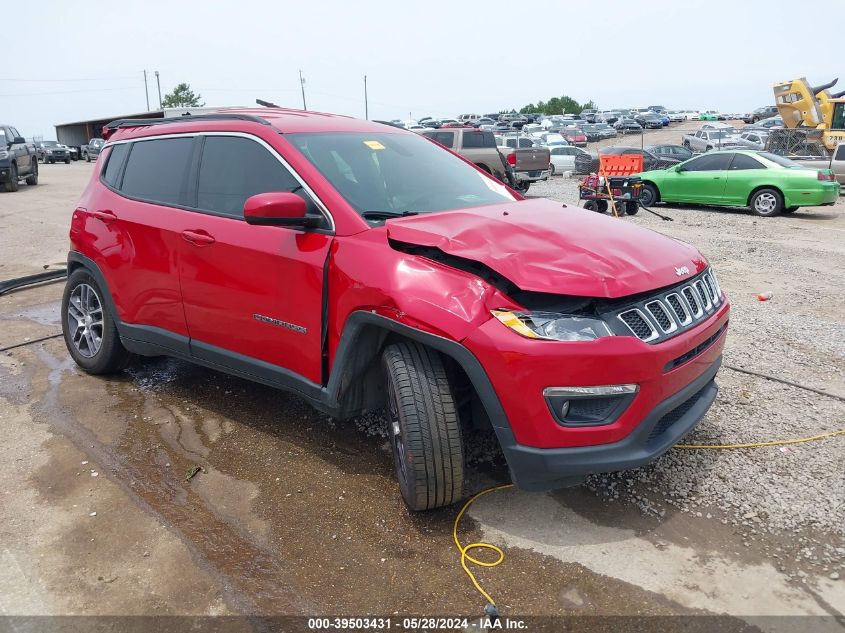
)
(795, 495)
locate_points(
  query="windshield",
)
(50, 144)
(97, 141)
(780, 160)
(397, 173)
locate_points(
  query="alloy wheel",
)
(765, 203)
(85, 320)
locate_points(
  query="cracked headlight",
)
(551, 326)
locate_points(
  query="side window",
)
(742, 161)
(510, 142)
(444, 138)
(157, 170)
(558, 151)
(840, 153)
(526, 142)
(699, 134)
(115, 159)
(232, 169)
(472, 139)
(709, 162)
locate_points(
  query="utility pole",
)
(158, 83)
(302, 85)
(146, 90)
(366, 105)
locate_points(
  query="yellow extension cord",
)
(465, 549)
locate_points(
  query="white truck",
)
(836, 162)
(706, 140)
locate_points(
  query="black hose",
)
(29, 280)
(32, 342)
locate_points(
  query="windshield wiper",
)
(384, 215)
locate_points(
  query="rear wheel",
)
(767, 203)
(631, 208)
(648, 195)
(12, 182)
(32, 179)
(522, 187)
(602, 206)
(551, 169)
(87, 157)
(88, 326)
(591, 205)
(424, 429)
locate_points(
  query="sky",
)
(429, 58)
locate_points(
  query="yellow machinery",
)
(816, 109)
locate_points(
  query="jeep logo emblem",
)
(683, 270)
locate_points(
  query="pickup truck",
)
(705, 140)
(92, 149)
(836, 162)
(477, 146)
(18, 159)
(529, 160)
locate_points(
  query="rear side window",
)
(473, 139)
(233, 169)
(444, 138)
(741, 161)
(115, 161)
(157, 170)
(709, 162)
(840, 153)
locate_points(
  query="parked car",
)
(754, 139)
(608, 116)
(430, 123)
(835, 163)
(675, 152)
(626, 125)
(760, 113)
(592, 132)
(477, 146)
(397, 287)
(590, 163)
(18, 159)
(483, 121)
(708, 115)
(767, 183)
(649, 120)
(529, 160)
(574, 136)
(52, 151)
(589, 115)
(563, 158)
(606, 130)
(706, 140)
(533, 128)
(769, 124)
(676, 116)
(92, 150)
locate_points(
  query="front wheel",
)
(790, 209)
(87, 157)
(88, 326)
(424, 429)
(648, 195)
(12, 182)
(591, 205)
(767, 203)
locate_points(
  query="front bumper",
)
(543, 453)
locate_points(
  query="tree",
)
(558, 105)
(182, 97)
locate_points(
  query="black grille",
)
(591, 408)
(637, 323)
(695, 351)
(678, 307)
(675, 414)
(691, 299)
(663, 320)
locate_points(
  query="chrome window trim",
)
(323, 208)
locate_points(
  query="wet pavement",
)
(292, 513)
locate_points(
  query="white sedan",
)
(563, 158)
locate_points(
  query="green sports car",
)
(767, 183)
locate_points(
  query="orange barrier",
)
(620, 164)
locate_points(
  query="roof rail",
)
(109, 128)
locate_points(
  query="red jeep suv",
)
(363, 267)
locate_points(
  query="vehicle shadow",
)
(803, 213)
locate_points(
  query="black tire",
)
(591, 205)
(631, 208)
(766, 202)
(649, 195)
(551, 169)
(523, 186)
(602, 206)
(12, 182)
(424, 429)
(790, 209)
(110, 356)
(87, 157)
(686, 144)
(32, 179)
(67, 161)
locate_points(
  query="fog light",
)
(589, 406)
(564, 408)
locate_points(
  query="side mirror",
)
(18, 140)
(679, 169)
(278, 209)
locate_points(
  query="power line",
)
(30, 80)
(65, 92)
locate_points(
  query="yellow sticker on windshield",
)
(373, 144)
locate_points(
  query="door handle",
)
(198, 238)
(105, 215)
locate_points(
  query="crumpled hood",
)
(542, 246)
